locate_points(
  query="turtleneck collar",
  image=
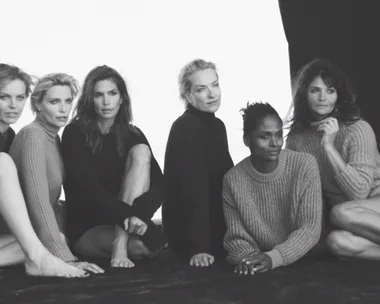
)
(207, 115)
(266, 177)
(51, 131)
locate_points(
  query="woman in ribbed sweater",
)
(36, 153)
(272, 199)
(326, 124)
(114, 184)
(18, 241)
(196, 160)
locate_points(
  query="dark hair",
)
(345, 110)
(254, 113)
(9, 73)
(86, 117)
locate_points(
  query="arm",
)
(36, 191)
(237, 241)
(290, 143)
(81, 176)
(151, 200)
(308, 221)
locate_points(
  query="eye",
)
(3, 97)
(331, 91)
(313, 90)
(96, 95)
(69, 101)
(113, 93)
(200, 90)
(216, 85)
(54, 101)
(264, 136)
(20, 98)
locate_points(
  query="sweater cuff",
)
(239, 254)
(348, 181)
(276, 258)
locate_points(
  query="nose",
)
(12, 103)
(274, 142)
(106, 100)
(322, 95)
(211, 93)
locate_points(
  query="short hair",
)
(254, 113)
(189, 69)
(49, 81)
(9, 73)
(345, 111)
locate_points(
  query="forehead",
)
(203, 77)
(105, 85)
(14, 87)
(318, 82)
(269, 124)
(59, 91)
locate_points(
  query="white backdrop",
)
(148, 41)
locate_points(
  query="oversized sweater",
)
(36, 153)
(196, 160)
(279, 213)
(6, 140)
(356, 143)
(93, 183)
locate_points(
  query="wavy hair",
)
(346, 111)
(9, 73)
(86, 117)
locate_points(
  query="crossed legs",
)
(24, 246)
(359, 229)
(115, 242)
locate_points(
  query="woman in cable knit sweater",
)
(326, 124)
(36, 153)
(272, 199)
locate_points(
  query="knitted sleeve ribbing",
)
(357, 178)
(34, 181)
(237, 241)
(308, 220)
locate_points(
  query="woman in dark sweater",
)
(113, 181)
(196, 160)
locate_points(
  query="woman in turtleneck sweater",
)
(196, 160)
(326, 124)
(36, 153)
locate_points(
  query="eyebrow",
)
(113, 90)
(2, 93)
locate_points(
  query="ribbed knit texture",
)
(356, 143)
(278, 213)
(36, 153)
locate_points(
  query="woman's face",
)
(204, 92)
(321, 98)
(107, 99)
(12, 102)
(56, 105)
(265, 142)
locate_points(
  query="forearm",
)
(335, 159)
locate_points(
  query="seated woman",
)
(326, 124)
(18, 241)
(272, 199)
(113, 181)
(196, 160)
(36, 153)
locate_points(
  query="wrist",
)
(328, 148)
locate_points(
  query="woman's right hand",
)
(135, 225)
(202, 260)
(87, 266)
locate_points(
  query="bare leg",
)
(361, 218)
(345, 244)
(136, 181)
(38, 261)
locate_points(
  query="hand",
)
(243, 268)
(261, 262)
(135, 225)
(87, 266)
(202, 260)
(330, 127)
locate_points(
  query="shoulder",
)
(72, 130)
(237, 170)
(187, 123)
(300, 161)
(31, 132)
(357, 132)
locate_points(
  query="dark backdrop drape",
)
(347, 32)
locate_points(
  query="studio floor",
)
(167, 280)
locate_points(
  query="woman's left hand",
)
(330, 127)
(87, 266)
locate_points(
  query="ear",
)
(246, 141)
(189, 98)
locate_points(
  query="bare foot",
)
(120, 259)
(47, 265)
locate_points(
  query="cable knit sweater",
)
(356, 143)
(36, 153)
(279, 213)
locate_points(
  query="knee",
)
(344, 215)
(341, 243)
(7, 165)
(140, 153)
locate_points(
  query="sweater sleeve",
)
(33, 177)
(79, 171)
(308, 221)
(151, 200)
(237, 241)
(290, 143)
(356, 179)
(194, 182)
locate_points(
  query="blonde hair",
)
(189, 69)
(49, 81)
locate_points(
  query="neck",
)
(263, 166)
(3, 128)
(48, 126)
(105, 125)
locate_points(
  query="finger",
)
(126, 224)
(97, 268)
(251, 270)
(192, 262)
(196, 262)
(211, 260)
(144, 229)
(261, 267)
(205, 261)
